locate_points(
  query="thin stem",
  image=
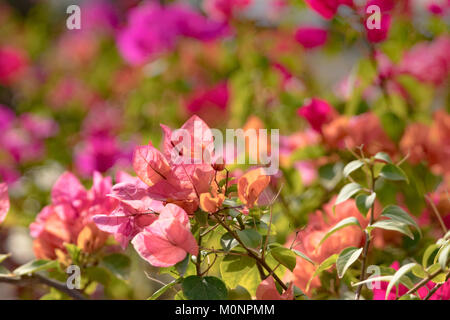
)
(37, 278)
(365, 253)
(436, 212)
(423, 282)
(198, 260)
(251, 254)
(436, 288)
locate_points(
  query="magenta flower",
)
(223, 10)
(317, 112)
(4, 201)
(311, 37)
(13, 62)
(428, 62)
(153, 30)
(443, 293)
(101, 153)
(167, 240)
(327, 8)
(379, 35)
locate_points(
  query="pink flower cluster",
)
(153, 208)
(4, 201)
(22, 139)
(443, 293)
(100, 149)
(68, 219)
(153, 30)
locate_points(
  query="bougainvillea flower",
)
(135, 211)
(210, 203)
(429, 143)
(4, 201)
(251, 185)
(268, 291)
(207, 103)
(167, 240)
(378, 35)
(153, 30)
(223, 10)
(317, 112)
(311, 37)
(13, 62)
(180, 173)
(307, 240)
(364, 129)
(71, 210)
(443, 293)
(327, 8)
(428, 62)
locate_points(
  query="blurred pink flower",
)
(311, 37)
(378, 35)
(4, 201)
(7, 117)
(223, 10)
(268, 291)
(153, 30)
(208, 103)
(327, 8)
(443, 293)
(167, 240)
(23, 138)
(71, 211)
(317, 112)
(308, 171)
(428, 62)
(13, 62)
(100, 153)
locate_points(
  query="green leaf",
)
(419, 271)
(119, 264)
(383, 156)
(350, 221)
(239, 270)
(73, 251)
(204, 288)
(347, 192)
(182, 266)
(201, 217)
(35, 266)
(250, 237)
(393, 173)
(352, 166)
(5, 273)
(228, 242)
(398, 214)
(346, 258)
(3, 257)
(303, 256)
(163, 289)
(365, 202)
(392, 225)
(373, 279)
(441, 277)
(443, 256)
(428, 253)
(398, 275)
(98, 274)
(284, 256)
(325, 265)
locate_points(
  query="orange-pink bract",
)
(167, 240)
